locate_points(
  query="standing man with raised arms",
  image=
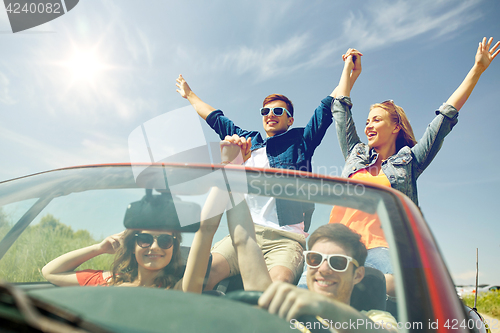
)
(281, 226)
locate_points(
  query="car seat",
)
(184, 255)
(229, 284)
(370, 293)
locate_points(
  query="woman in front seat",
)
(151, 258)
(142, 258)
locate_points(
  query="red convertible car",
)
(45, 215)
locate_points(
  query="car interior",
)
(102, 205)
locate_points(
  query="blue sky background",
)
(233, 54)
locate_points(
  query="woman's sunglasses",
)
(276, 111)
(165, 241)
(337, 262)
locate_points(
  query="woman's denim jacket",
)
(292, 149)
(403, 168)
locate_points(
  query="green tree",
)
(41, 243)
(3, 219)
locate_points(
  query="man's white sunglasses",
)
(337, 262)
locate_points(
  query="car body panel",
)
(184, 312)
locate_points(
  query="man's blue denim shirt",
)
(403, 168)
(292, 149)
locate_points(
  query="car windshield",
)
(49, 214)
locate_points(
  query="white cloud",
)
(98, 149)
(5, 90)
(392, 22)
(104, 150)
(49, 156)
(383, 24)
(267, 62)
(466, 277)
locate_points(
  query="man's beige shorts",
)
(280, 248)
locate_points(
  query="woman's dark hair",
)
(125, 267)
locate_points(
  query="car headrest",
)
(162, 212)
(370, 293)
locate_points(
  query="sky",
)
(73, 90)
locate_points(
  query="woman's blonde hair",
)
(398, 116)
(125, 267)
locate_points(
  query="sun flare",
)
(85, 66)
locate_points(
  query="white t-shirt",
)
(263, 209)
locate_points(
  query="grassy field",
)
(487, 303)
(41, 243)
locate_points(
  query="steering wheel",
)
(252, 297)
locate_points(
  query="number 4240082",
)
(49, 8)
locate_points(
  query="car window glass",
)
(78, 215)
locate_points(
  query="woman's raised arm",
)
(350, 73)
(60, 271)
(484, 56)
